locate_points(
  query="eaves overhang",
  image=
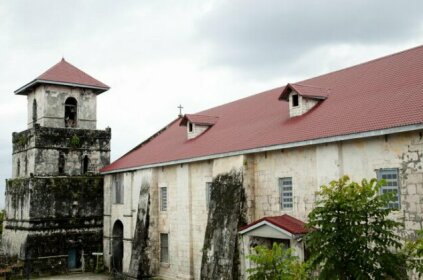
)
(345, 137)
(24, 89)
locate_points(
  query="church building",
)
(54, 200)
(191, 201)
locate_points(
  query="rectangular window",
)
(164, 247)
(285, 192)
(391, 177)
(163, 199)
(117, 189)
(295, 100)
(208, 193)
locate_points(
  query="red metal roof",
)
(65, 73)
(286, 222)
(380, 94)
(199, 119)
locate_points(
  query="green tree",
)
(352, 236)
(276, 263)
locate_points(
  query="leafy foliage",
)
(414, 250)
(75, 142)
(352, 236)
(276, 263)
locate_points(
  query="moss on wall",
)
(17, 190)
(58, 202)
(63, 213)
(139, 267)
(47, 253)
(72, 138)
(21, 140)
(226, 214)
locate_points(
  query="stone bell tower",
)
(54, 200)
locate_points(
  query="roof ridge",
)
(202, 115)
(362, 63)
(243, 98)
(298, 84)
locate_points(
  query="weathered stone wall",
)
(311, 167)
(51, 206)
(51, 111)
(186, 200)
(186, 217)
(55, 245)
(226, 215)
(140, 258)
(37, 150)
(127, 214)
(411, 174)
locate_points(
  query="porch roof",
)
(285, 222)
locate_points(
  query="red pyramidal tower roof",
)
(64, 73)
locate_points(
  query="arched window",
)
(71, 109)
(85, 163)
(61, 163)
(34, 111)
(117, 246)
(26, 165)
(18, 168)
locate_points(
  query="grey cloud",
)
(256, 35)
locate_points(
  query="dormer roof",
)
(198, 120)
(64, 73)
(311, 92)
(284, 222)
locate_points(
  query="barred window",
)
(164, 247)
(285, 192)
(391, 177)
(208, 193)
(163, 199)
(118, 189)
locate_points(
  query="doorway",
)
(117, 246)
(74, 258)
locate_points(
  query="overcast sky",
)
(158, 54)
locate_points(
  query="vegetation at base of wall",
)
(351, 235)
(414, 250)
(276, 263)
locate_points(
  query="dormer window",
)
(197, 124)
(294, 100)
(302, 98)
